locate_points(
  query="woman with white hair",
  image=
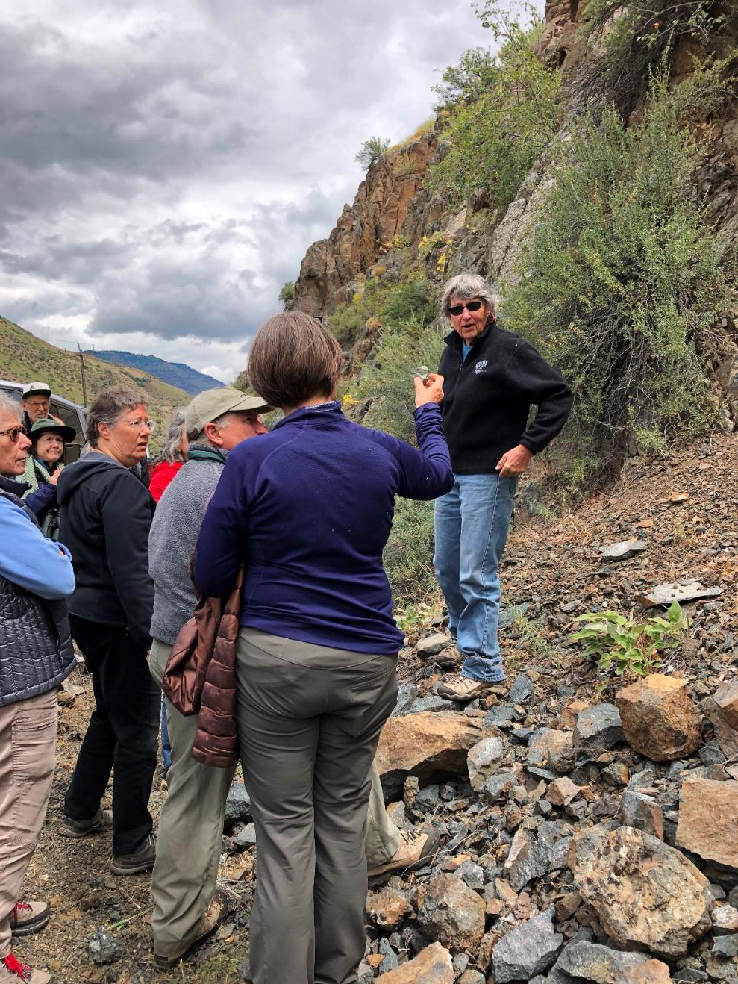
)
(491, 379)
(173, 455)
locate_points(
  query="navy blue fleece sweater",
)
(308, 508)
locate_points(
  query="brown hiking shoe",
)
(141, 860)
(416, 848)
(462, 690)
(82, 828)
(29, 917)
(12, 971)
(220, 904)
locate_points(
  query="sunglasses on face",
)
(470, 306)
(13, 433)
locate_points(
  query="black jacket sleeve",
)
(544, 386)
(126, 515)
(40, 500)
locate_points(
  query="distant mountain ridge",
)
(175, 373)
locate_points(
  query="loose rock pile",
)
(581, 842)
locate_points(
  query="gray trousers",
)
(190, 833)
(309, 719)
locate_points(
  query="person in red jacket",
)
(173, 455)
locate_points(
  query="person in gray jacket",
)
(35, 656)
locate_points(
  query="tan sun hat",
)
(214, 403)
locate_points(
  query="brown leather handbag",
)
(187, 666)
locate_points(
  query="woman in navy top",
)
(307, 509)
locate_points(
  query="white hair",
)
(466, 286)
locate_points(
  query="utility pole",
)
(82, 368)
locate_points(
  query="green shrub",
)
(388, 379)
(370, 151)
(621, 280)
(629, 646)
(409, 301)
(408, 556)
(287, 293)
(506, 116)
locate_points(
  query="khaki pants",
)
(190, 833)
(309, 719)
(191, 826)
(27, 751)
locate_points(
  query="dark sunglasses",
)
(13, 433)
(470, 306)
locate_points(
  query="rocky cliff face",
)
(394, 212)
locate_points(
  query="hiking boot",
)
(141, 860)
(213, 916)
(81, 828)
(462, 690)
(12, 971)
(29, 917)
(416, 848)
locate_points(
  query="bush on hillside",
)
(370, 151)
(391, 304)
(408, 556)
(287, 293)
(623, 281)
(505, 114)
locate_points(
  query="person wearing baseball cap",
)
(36, 399)
(187, 904)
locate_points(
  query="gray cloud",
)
(164, 167)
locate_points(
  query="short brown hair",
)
(107, 407)
(292, 359)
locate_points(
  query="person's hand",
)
(54, 477)
(429, 390)
(515, 461)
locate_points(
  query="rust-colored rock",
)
(645, 894)
(707, 820)
(428, 745)
(431, 966)
(562, 791)
(660, 719)
(386, 908)
(452, 913)
(650, 972)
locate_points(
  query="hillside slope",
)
(175, 373)
(24, 357)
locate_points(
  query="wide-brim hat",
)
(214, 403)
(36, 389)
(41, 426)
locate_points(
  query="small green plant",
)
(287, 293)
(370, 151)
(621, 642)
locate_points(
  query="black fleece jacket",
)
(487, 399)
(105, 516)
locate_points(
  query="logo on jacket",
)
(480, 367)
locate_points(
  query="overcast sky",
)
(164, 166)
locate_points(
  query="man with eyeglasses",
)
(35, 656)
(36, 401)
(491, 379)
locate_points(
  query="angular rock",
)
(497, 788)
(681, 591)
(649, 972)
(105, 948)
(642, 812)
(562, 791)
(602, 965)
(526, 950)
(427, 745)
(535, 853)
(238, 806)
(623, 550)
(598, 729)
(452, 913)
(707, 820)
(722, 710)
(431, 966)
(522, 690)
(483, 760)
(660, 720)
(433, 644)
(387, 908)
(406, 694)
(246, 837)
(725, 919)
(550, 749)
(645, 894)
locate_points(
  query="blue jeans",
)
(166, 746)
(471, 527)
